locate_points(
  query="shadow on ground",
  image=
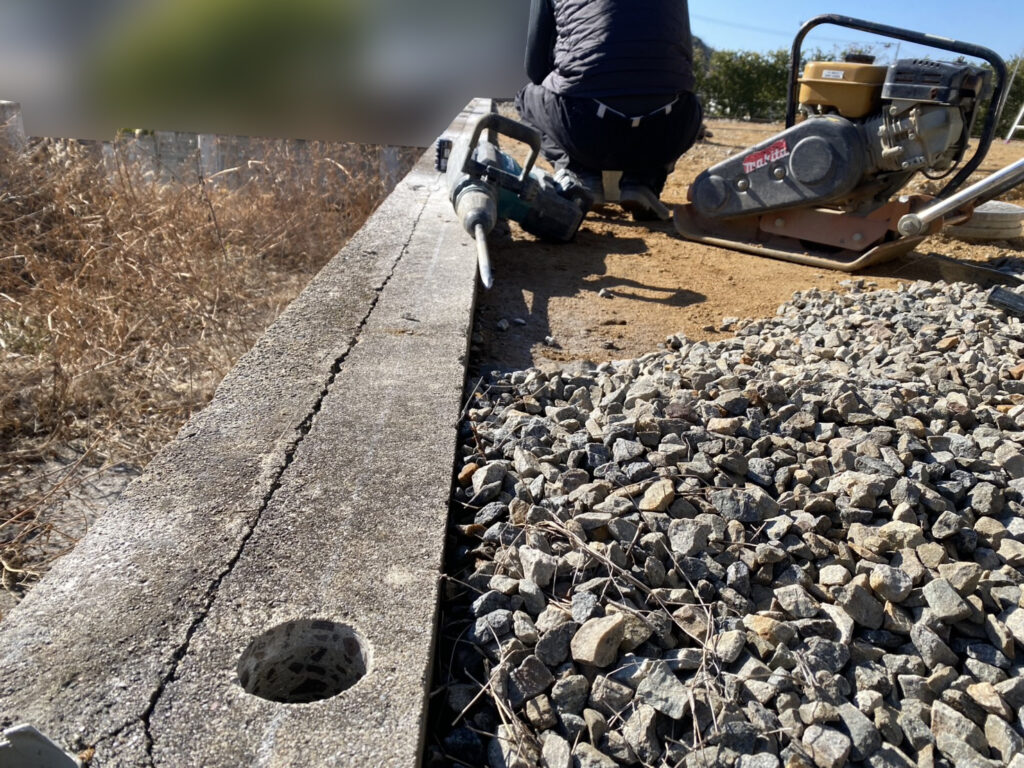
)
(929, 265)
(530, 274)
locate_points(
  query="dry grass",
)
(124, 300)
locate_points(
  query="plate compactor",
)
(826, 192)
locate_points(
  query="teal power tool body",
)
(486, 185)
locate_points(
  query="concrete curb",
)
(313, 489)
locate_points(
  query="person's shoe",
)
(642, 203)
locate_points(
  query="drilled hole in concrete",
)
(302, 661)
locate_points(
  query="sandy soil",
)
(654, 283)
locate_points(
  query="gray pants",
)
(575, 136)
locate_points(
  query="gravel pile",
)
(800, 546)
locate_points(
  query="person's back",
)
(614, 48)
(611, 89)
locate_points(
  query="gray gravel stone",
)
(524, 628)
(917, 732)
(684, 659)
(889, 757)
(491, 513)
(962, 576)
(891, 583)
(834, 576)
(624, 451)
(1011, 459)
(540, 713)
(506, 751)
(552, 617)
(489, 601)
(795, 601)
(860, 605)
(495, 624)
(947, 722)
(813, 530)
(947, 524)
(762, 760)
(575, 726)
(662, 690)
(960, 754)
(944, 601)
(864, 737)
(986, 499)
(569, 695)
(585, 605)
(688, 537)
(587, 756)
(641, 733)
(539, 567)
(933, 650)
(556, 752)
(630, 670)
(1012, 691)
(729, 645)
(827, 747)
(531, 678)
(736, 505)
(1002, 739)
(898, 535)
(553, 646)
(609, 696)
(534, 600)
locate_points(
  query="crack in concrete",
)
(302, 431)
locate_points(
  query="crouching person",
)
(611, 89)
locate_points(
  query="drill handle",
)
(499, 124)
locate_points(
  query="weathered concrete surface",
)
(314, 486)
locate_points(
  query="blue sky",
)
(757, 25)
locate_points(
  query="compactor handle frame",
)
(933, 41)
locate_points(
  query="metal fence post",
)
(12, 129)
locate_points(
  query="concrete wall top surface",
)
(266, 593)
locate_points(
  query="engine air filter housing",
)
(852, 89)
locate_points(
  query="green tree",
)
(743, 84)
(748, 85)
(1011, 106)
(1014, 100)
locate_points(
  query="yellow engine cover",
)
(853, 90)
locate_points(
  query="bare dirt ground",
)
(655, 283)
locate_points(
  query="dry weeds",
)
(124, 300)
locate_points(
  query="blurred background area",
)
(388, 72)
(371, 71)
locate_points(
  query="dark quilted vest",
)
(609, 48)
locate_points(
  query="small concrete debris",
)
(800, 546)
